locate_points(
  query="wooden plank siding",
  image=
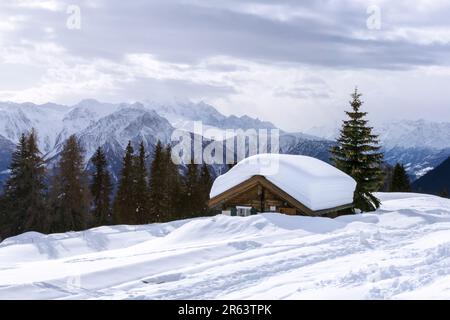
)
(261, 194)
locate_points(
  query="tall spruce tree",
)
(124, 211)
(357, 154)
(13, 191)
(192, 194)
(25, 190)
(70, 189)
(101, 189)
(205, 183)
(4, 227)
(400, 180)
(141, 188)
(388, 172)
(36, 216)
(172, 187)
(157, 194)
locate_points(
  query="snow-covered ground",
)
(400, 252)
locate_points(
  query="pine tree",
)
(70, 190)
(173, 187)
(4, 222)
(25, 190)
(157, 195)
(36, 216)
(357, 154)
(400, 180)
(101, 189)
(124, 202)
(444, 193)
(192, 200)
(205, 184)
(141, 189)
(15, 190)
(388, 172)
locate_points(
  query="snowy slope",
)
(415, 134)
(6, 150)
(54, 123)
(180, 113)
(16, 119)
(400, 252)
(400, 134)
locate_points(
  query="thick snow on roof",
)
(314, 183)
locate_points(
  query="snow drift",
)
(316, 184)
(402, 251)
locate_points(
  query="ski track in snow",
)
(400, 252)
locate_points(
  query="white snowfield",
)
(400, 252)
(313, 182)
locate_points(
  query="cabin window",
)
(243, 211)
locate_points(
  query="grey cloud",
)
(323, 45)
(302, 92)
(154, 89)
(184, 31)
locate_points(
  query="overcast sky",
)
(291, 62)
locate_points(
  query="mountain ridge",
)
(112, 125)
(435, 181)
(420, 145)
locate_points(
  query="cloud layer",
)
(290, 62)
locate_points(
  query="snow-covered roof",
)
(316, 184)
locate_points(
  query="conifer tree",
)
(357, 154)
(444, 193)
(141, 189)
(25, 190)
(205, 183)
(124, 211)
(400, 180)
(4, 223)
(36, 216)
(70, 189)
(157, 195)
(101, 189)
(192, 201)
(388, 172)
(173, 187)
(14, 190)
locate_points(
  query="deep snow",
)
(400, 252)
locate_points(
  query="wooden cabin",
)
(257, 193)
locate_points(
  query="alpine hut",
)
(290, 184)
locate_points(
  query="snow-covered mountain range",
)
(113, 125)
(420, 145)
(400, 134)
(100, 122)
